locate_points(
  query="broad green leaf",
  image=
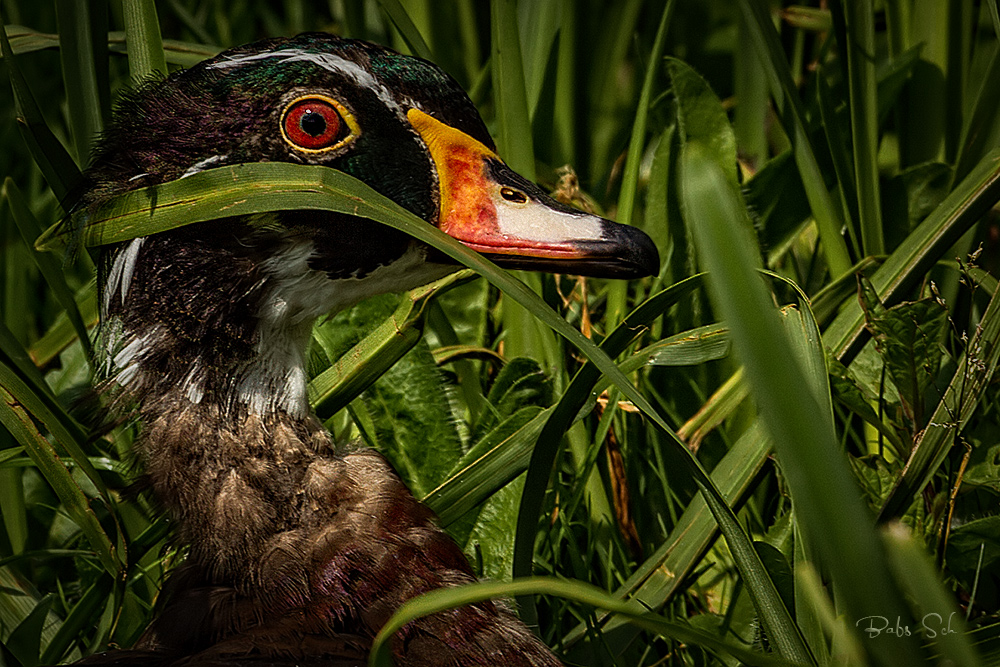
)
(415, 426)
(975, 368)
(909, 336)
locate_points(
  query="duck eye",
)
(317, 124)
(513, 196)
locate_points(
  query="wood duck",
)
(301, 550)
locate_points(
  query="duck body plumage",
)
(299, 550)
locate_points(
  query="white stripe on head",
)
(328, 61)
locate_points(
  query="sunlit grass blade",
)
(826, 497)
(768, 48)
(920, 250)
(142, 40)
(972, 375)
(579, 592)
(717, 408)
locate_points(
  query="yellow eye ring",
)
(318, 124)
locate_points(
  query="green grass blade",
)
(176, 52)
(982, 130)
(637, 140)
(411, 35)
(510, 96)
(21, 426)
(364, 363)
(863, 104)
(490, 465)
(941, 620)
(536, 44)
(55, 163)
(662, 576)
(80, 617)
(62, 332)
(450, 598)
(618, 292)
(143, 41)
(12, 500)
(30, 229)
(37, 400)
(768, 49)
(564, 120)
(78, 50)
(11, 351)
(826, 497)
(909, 263)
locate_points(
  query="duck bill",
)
(493, 210)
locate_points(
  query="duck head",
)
(221, 293)
(398, 123)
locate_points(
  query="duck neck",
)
(213, 363)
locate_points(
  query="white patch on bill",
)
(534, 221)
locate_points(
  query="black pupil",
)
(313, 123)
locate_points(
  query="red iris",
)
(312, 124)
